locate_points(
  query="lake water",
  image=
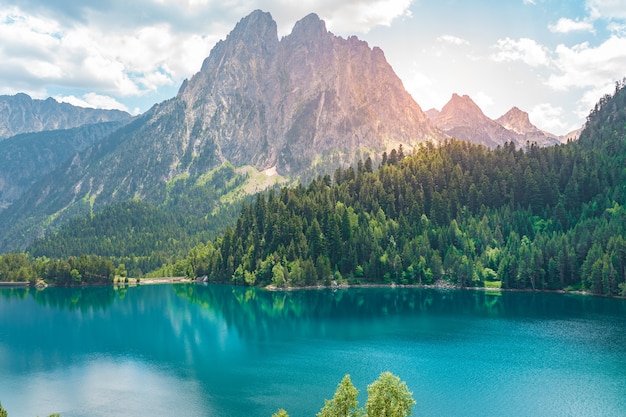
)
(193, 350)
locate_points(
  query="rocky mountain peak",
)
(257, 23)
(255, 34)
(459, 110)
(432, 113)
(282, 103)
(517, 121)
(299, 107)
(463, 119)
(310, 27)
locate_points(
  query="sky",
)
(551, 58)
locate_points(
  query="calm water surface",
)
(188, 350)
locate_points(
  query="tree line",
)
(72, 271)
(534, 218)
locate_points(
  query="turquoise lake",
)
(194, 350)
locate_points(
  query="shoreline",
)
(184, 280)
(438, 286)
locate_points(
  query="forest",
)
(534, 218)
(461, 214)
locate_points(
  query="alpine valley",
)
(377, 189)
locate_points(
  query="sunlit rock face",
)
(298, 106)
(463, 119)
(270, 102)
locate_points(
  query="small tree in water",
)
(344, 403)
(388, 397)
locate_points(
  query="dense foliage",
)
(143, 236)
(386, 397)
(534, 218)
(82, 270)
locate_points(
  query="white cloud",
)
(549, 118)
(453, 40)
(483, 100)
(351, 15)
(130, 50)
(607, 9)
(530, 2)
(585, 66)
(93, 100)
(524, 50)
(565, 25)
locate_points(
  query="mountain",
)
(463, 119)
(552, 218)
(28, 157)
(432, 114)
(22, 114)
(295, 107)
(294, 102)
(519, 122)
(571, 136)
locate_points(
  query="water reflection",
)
(241, 349)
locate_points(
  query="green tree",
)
(280, 413)
(344, 403)
(3, 412)
(388, 397)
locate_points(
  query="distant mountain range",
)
(28, 157)
(275, 109)
(21, 114)
(463, 119)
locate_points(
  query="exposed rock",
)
(22, 114)
(284, 103)
(28, 157)
(518, 121)
(303, 104)
(463, 119)
(571, 136)
(432, 114)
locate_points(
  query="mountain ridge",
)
(463, 119)
(299, 106)
(22, 114)
(27, 157)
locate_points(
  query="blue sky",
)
(551, 58)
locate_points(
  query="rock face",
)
(463, 119)
(284, 103)
(432, 114)
(517, 121)
(28, 157)
(299, 106)
(22, 114)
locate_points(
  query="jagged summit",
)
(459, 110)
(298, 106)
(22, 114)
(517, 121)
(283, 103)
(310, 27)
(463, 119)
